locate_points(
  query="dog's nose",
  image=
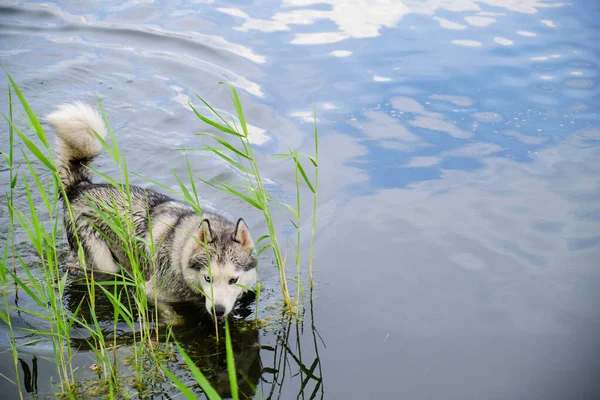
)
(219, 310)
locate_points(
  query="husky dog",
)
(183, 256)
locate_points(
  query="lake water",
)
(458, 242)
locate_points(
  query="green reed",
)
(46, 293)
(5, 314)
(126, 290)
(254, 192)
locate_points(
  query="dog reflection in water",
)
(195, 332)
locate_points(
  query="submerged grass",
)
(45, 284)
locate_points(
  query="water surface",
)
(459, 223)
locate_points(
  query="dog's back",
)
(103, 218)
(181, 254)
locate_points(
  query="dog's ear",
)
(206, 235)
(242, 235)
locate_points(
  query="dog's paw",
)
(170, 317)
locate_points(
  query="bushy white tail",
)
(77, 145)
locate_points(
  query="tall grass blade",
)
(306, 180)
(239, 110)
(32, 147)
(114, 151)
(212, 123)
(224, 143)
(314, 217)
(229, 160)
(180, 385)
(205, 385)
(34, 121)
(231, 371)
(219, 115)
(228, 189)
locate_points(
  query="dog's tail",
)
(77, 145)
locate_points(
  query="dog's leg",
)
(96, 250)
(167, 314)
(101, 256)
(155, 291)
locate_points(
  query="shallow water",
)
(459, 224)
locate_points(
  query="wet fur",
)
(184, 244)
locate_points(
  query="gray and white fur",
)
(182, 255)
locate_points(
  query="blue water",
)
(459, 228)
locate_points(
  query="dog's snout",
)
(219, 310)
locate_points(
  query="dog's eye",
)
(207, 278)
(233, 280)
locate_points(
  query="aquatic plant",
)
(45, 281)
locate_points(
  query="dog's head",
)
(221, 263)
